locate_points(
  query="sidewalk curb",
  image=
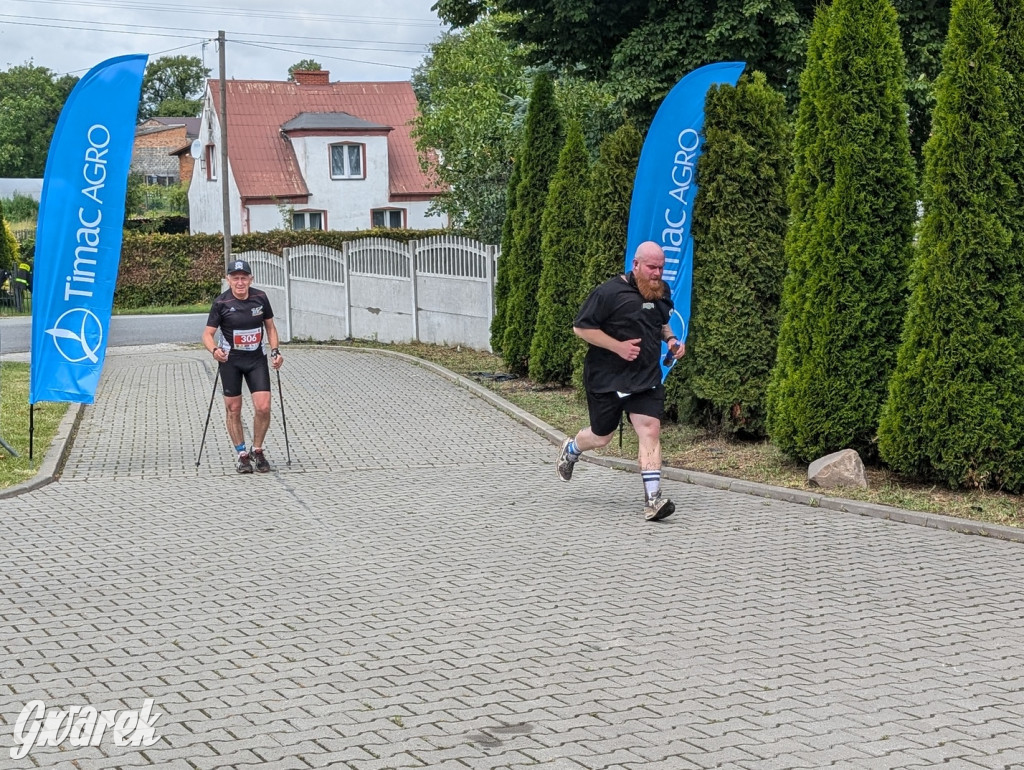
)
(53, 462)
(698, 478)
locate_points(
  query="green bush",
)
(6, 252)
(611, 192)
(848, 246)
(21, 208)
(564, 240)
(739, 227)
(187, 269)
(506, 263)
(956, 400)
(542, 142)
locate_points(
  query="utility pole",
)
(225, 198)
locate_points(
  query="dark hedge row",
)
(186, 269)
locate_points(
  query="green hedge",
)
(563, 242)
(739, 227)
(956, 399)
(848, 247)
(187, 269)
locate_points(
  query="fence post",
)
(347, 275)
(490, 271)
(286, 257)
(415, 299)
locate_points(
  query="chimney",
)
(312, 77)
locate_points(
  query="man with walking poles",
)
(246, 320)
(625, 320)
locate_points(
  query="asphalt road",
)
(125, 330)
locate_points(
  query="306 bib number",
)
(248, 339)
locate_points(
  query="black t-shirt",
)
(241, 321)
(617, 308)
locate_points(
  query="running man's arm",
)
(625, 349)
(679, 349)
(211, 344)
(276, 359)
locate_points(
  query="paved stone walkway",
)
(418, 590)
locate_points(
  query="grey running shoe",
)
(657, 508)
(244, 464)
(260, 461)
(565, 462)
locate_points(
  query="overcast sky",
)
(356, 41)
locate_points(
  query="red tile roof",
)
(263, 162)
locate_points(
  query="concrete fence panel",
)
(381, 292)
(319, 293)
(270, 274)
(438, 290)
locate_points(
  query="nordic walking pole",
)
(284, 422)
(208, 411)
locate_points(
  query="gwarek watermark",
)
(82, 726)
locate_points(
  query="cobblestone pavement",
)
(419, 590)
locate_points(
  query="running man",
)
(242, 313)
(624, 321)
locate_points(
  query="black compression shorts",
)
(254, 369)
(606, 408)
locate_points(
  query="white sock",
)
(652, 482)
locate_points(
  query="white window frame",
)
(305, 213)
(211, 162)
(346, 157)
(388, 211)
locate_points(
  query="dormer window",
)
(347, 161)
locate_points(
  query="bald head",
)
(647, 252)
(648, 265)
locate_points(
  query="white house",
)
(311, 154)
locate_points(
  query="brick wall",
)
(152, 153)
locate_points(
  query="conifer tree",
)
(6, 255)
(848, 246)
(542, 142)
(739, 226)
(955, 410)
(563, 243)
(611, 192)
(506, 264)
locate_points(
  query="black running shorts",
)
(254, 369)
(606, 408)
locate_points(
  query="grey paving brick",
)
(419, 590)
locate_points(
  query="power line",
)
(257, 37)
(105, 31)
(247, 12)
(322, 56)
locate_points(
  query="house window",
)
(160, 181)
(211, 162)
(347, 161)
(390, 218)
(307, 220)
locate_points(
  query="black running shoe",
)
(657, 508)
(566, 461)
(244, 464)
(260, 461)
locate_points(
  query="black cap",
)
(239, 266)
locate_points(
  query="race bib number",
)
(247, 339)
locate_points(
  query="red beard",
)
(650, 290)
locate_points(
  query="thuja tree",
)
(611, 191)
(563, 241)
(848, 250)
(6, 252)
(542, 142)
(739, 226)
(506, 263)
(956, 400)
